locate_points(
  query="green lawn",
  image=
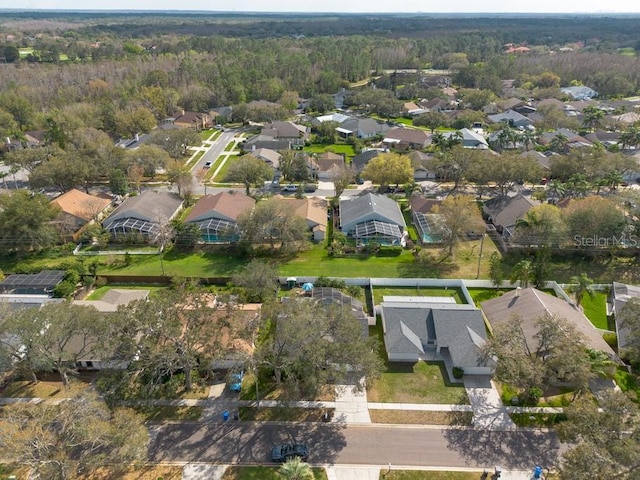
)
(482, 294)
(162, 414)
(264, 473)
(177, 264)
(205, 134)
(419, 382)
(596, 310)
(344, 148)
(220, 177)
(230, 146)
(379, 292)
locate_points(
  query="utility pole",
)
(480, 256)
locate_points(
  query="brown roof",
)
(408, 135)
(312, 209)
(81, 205)
(227, 205)
(328, 161)
(530, 304)
(422, 204)
(192, 118)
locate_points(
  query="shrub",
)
(458, 372)
(64, 289)
(611, 339)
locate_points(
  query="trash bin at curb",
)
(236, 416)
(225, 415)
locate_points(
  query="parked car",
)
(207, 165)
(289, 188)
(310, 187)
(235, 381)
(282, 453)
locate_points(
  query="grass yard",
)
(200, 263)
(205, 134)
(48, 387)
(427, 475)
(230, 146)
(283, 414)
(379, 292)
(482, 294)
(145, 472)
(222, 173)
(596, 310)
(345, 149)
(164, 413)
(264, 473)
(419, 382)
(628, 383)
(417, 417)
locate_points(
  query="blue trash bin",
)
(225, 415)
(537, 472)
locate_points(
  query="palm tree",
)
(581, 285)
(528, 138)
(559, 143)
(592, 117)
(295, 469)
(522, 272)
(630, 138)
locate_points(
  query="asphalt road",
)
(216, 150)
(250, 443)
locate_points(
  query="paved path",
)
(351, 406)
(488, 411)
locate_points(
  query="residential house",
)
(573, 140)
(579, 92)
(143, 216)
(268, 156)
(437, 105)
(407, 138)
(278, 136)
(628, 118)
(361, 127)
(430, 225)
(435, 328)
(421, 168)
(511, 118)
(286, 131)
(78, 209)
(330, 117)
(372, 217)
(530, 304)
(504, 212)
(340, 97)
(216, 215)
(360, 161)
(193, 120)
(620, 294)
(412, 109)
(42, 283)
(313, 210)
(470, 139)
(327, 165)
(608, 139)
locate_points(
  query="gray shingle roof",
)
(410, 327)
(506, 211)
(149, 206)
(369, 207)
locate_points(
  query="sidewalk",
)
(488, 411)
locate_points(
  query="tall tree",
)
(311, 342)
(259, 279)
(58, 442)
(628, 319)
(581, 285)
(522, 272)
(176, 142)
(606, 436)
(57, 336)
(461, 216)
(388, 169)
(274, 225)
(177, 332)
(26, 221)
(342, 178)
(250, 171)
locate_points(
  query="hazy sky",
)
(436, 6)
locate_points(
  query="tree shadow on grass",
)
(431, 268)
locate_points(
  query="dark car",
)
(282, 453)
(207, 165)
